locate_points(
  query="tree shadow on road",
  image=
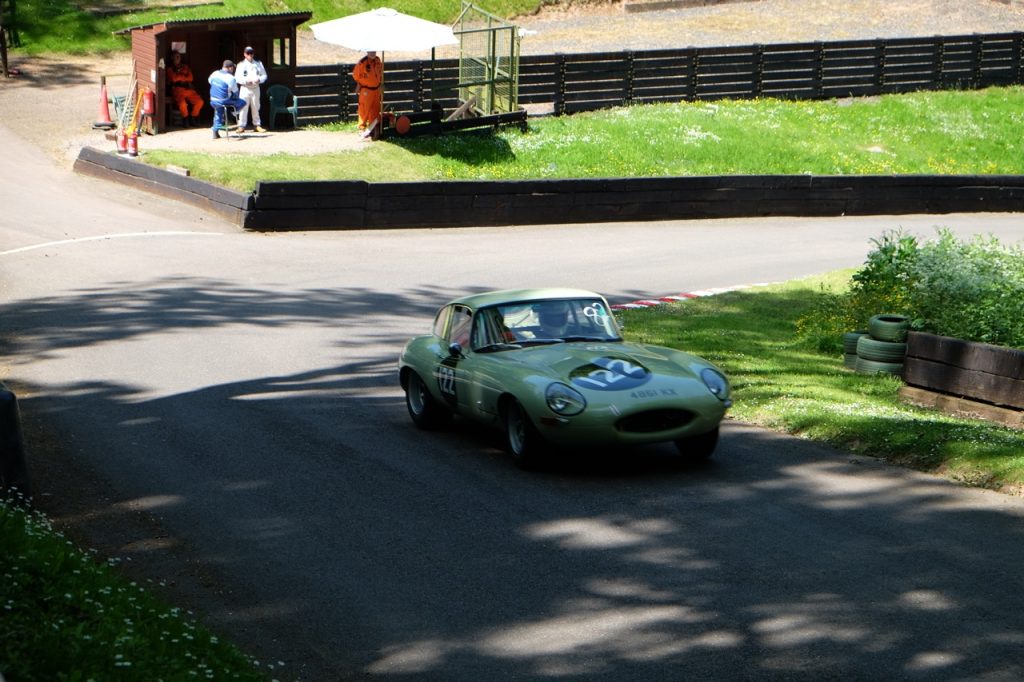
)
(290, 507)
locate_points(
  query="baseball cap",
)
(228, 64)
(248, 50)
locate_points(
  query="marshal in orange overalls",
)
(368, 74)
(188, 101)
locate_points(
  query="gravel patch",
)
(610, 28)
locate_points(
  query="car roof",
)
(489, 298)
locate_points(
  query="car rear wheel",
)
(523, 441)
(698, 448)
(426, 412)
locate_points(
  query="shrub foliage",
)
(966, 289)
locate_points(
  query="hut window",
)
(282, 54)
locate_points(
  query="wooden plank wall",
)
(355, 204)
(571, 83)
(992, 374)
(227, 203)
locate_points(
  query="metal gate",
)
(488, 61)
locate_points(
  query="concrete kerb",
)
(340, 205)
(686, 296)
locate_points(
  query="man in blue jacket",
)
(223, 93)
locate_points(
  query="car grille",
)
(654, 420)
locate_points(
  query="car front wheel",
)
(521, 437)
(698, 448)
(426, 412)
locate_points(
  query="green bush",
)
(883, 285)
(970, 290)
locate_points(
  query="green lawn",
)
(784, 384)
(952, 132)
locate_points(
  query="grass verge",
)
(782, 384)
(949, 132)
(68, 616)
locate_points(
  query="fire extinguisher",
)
(133, 144)
(148, 103)
(121, 140)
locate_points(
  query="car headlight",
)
(716, 383)
(564, 400)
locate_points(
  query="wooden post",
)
(1017, 77)
(941, 71)
(880, 65)
(758, 84)
(933, 67)
(559, 103)
(976, 54)
(819, 70)
(345, 114)
(695, 76)
(3, 49)
(417, 101)
(629, 77)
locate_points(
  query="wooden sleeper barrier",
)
(964, 377)
(355, 204)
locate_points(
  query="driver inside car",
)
(553, 318)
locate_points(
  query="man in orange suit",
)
(183, 91)
(368, 74)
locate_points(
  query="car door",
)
(450, 372)
(486, 363)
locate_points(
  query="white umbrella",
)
(383, 30)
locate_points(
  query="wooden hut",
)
(205, 44)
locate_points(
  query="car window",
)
(489, 329)
(560, 319)
(462, 320)
(593, 317)
(441, 320)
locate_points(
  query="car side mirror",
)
(455, 350)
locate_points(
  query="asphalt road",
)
(239, 391)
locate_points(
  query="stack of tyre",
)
(879, 349)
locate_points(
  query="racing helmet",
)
(553, 315)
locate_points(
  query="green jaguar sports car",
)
(549, 366)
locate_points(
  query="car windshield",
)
(547, 321)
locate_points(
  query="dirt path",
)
(54, 100)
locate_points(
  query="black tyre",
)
(426, 412)
(698, 448)
(850, 340)
(880, 351)
(889, 327)
(850, 360)
(873, 367)
(522, 440)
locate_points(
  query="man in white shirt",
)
(250, 73)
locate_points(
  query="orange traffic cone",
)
(104, 117)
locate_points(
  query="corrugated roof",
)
(300, 17)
